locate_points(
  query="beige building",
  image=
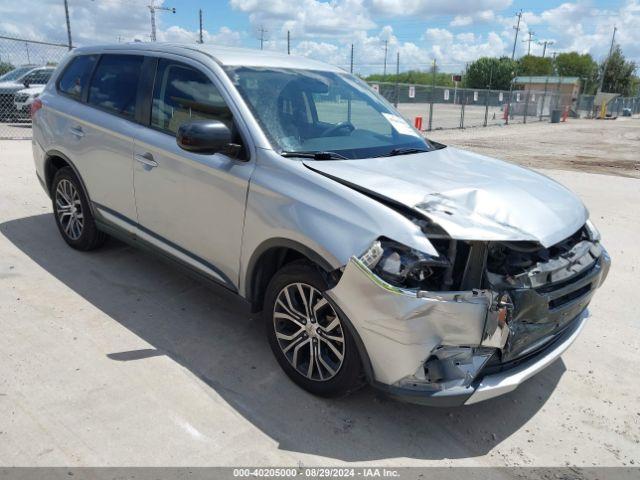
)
(567, 87)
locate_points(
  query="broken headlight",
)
(404, 266)
(592, 231)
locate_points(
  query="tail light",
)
(35, 106)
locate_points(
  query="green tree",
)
(635, 87)
(619, 75)
(5, 67)
(572, 64)
(417, 77)
(533, 65)
(492, 72)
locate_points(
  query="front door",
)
(190, 205)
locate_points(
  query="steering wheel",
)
(337, 127)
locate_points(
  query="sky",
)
(451, 32)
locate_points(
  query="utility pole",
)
(386, 45)
(66, 13)
(433, 89)
(606, 62)
(545, 43)
(200, 16)
(288, 42)
(517, 29)
(262, 32)
(529, 40)
(351, 66)
(152, 9)
(397, 79)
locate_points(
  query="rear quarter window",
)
(76, 75)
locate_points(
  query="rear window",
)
(76, 75)
(115, 84)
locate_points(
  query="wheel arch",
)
(268, 258)
(54, 161)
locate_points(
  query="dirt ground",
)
(610, 147)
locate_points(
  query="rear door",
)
(99, 134)
(190, 205)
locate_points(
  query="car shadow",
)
(211, 333)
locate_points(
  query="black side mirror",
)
(26, 83)
(205, 136)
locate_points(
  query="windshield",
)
(15, 74)
(319, 111)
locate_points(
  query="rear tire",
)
(310, 340)
(72, 212)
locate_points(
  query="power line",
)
(517, 29)
(288, 42)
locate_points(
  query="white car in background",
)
(24, 98)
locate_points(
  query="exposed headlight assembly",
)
(404, 266)
(592, 231)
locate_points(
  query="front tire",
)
(310, 340)
(72, 213)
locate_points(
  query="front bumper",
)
(400, 330)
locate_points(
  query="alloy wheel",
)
(69, 209)
(309, 332)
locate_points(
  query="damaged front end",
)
(472, 322)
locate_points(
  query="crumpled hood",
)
(472, 197)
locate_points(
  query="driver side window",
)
(181, 94)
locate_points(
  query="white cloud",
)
(224, 36)
(307, 18)
(438, 36)
(461, 31)
(461, 21)
(478, 17)
(426, 8)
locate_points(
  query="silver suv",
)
(440, 276)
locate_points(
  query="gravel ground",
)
(114, 358)
(610, 147)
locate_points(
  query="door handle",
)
(77, 131)
(146, 159)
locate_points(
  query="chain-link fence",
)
(435, 108)
(25, 68)
(586, 107)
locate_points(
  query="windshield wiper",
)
(404, 151)
(314, 155)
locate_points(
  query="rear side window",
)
(37, 77)
(181, 94)
(115, 83)
(76, 75)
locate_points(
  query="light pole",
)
(152, 9)
(66, 13)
